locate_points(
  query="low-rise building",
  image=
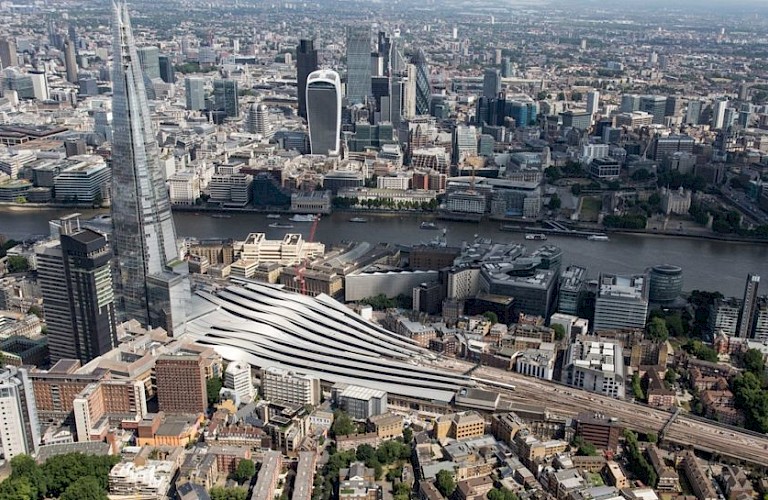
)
(700, 483)
(386, 426)
(269, 475)
(463, 425)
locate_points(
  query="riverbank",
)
(506, 225)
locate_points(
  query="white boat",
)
(535, 236)
(598, 237)
(278, 225)
(273, 216)
(358, 219)
(302, 218)
(428, 225)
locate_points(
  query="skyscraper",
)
(149, 60)
(423, 87)
(167, 73)
(693, 113)
(225, 97)
(8, 55)
(384, 47)
(324, 112)
(70, 60)
(491, 83)
(195, 93)
(76, 280)
(358, 64)
(19, 427)
(257, 121)
(143, 237)
(593, 102)
(306, 63)
(748, 306)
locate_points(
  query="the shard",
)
(150, 279)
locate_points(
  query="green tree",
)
(407, 435)
(576, 189)
(554, 202)
(754, 362)
(212, 386)
(657, 330)
(559, 331)
(365, 453)
(491, 316)
(651, 437)
(17, 264)
(445, 483)
(85, 488)
(18, 488)
(637, 388)
(245, 470)
(220, 493)
(501, 494)
(342, 424)
(25, 467)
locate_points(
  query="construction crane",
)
(302, 268)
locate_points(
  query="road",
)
(684, 430)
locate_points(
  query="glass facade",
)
(358, 64)
(423, 87)
(144, 236)
(324, 112)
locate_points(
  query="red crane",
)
(303, 266)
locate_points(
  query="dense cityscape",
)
(373, 251)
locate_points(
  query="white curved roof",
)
(265, 326)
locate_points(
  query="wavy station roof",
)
(265, 325)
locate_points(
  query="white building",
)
(538, 363)
(573, 325)
(622, 302)
(595, 367)
(19, 426)
(237, 377)
(676, 202)
(291, 250)
(400, 181)
(184, 187)
(82, 179)
(290, 387)
(149, 481)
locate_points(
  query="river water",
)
(707, 265)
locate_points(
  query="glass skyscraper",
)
(306, 63)
(324, 112)
(358, 64)
(225, 97)
(423, 87)
(143, 236)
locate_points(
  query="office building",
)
(603, 432)
(289, 387)
(143, 235)
(258, 121)
(596, 367)
(237, 378)
(358, 65)
(571, 289)
(464, 143)
(622, 302)
(718, 114)
(724, 316)
(324, 112)
(423, 87)
(748, 307)
(167, 73)
(593, 102)
(491, 83)
(225, 97)
(655, 105)
(8, 55)
(576, 119)
(149, 60)
(181, 386)
(76, 281)
(760, 332)
(306, 63)
(107, 401)
(693, 113)
(82, 179)
(195, 93)
(666, 283)
(360, 403)
(19, 426)
(70, 61)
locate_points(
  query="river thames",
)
(707, 264)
